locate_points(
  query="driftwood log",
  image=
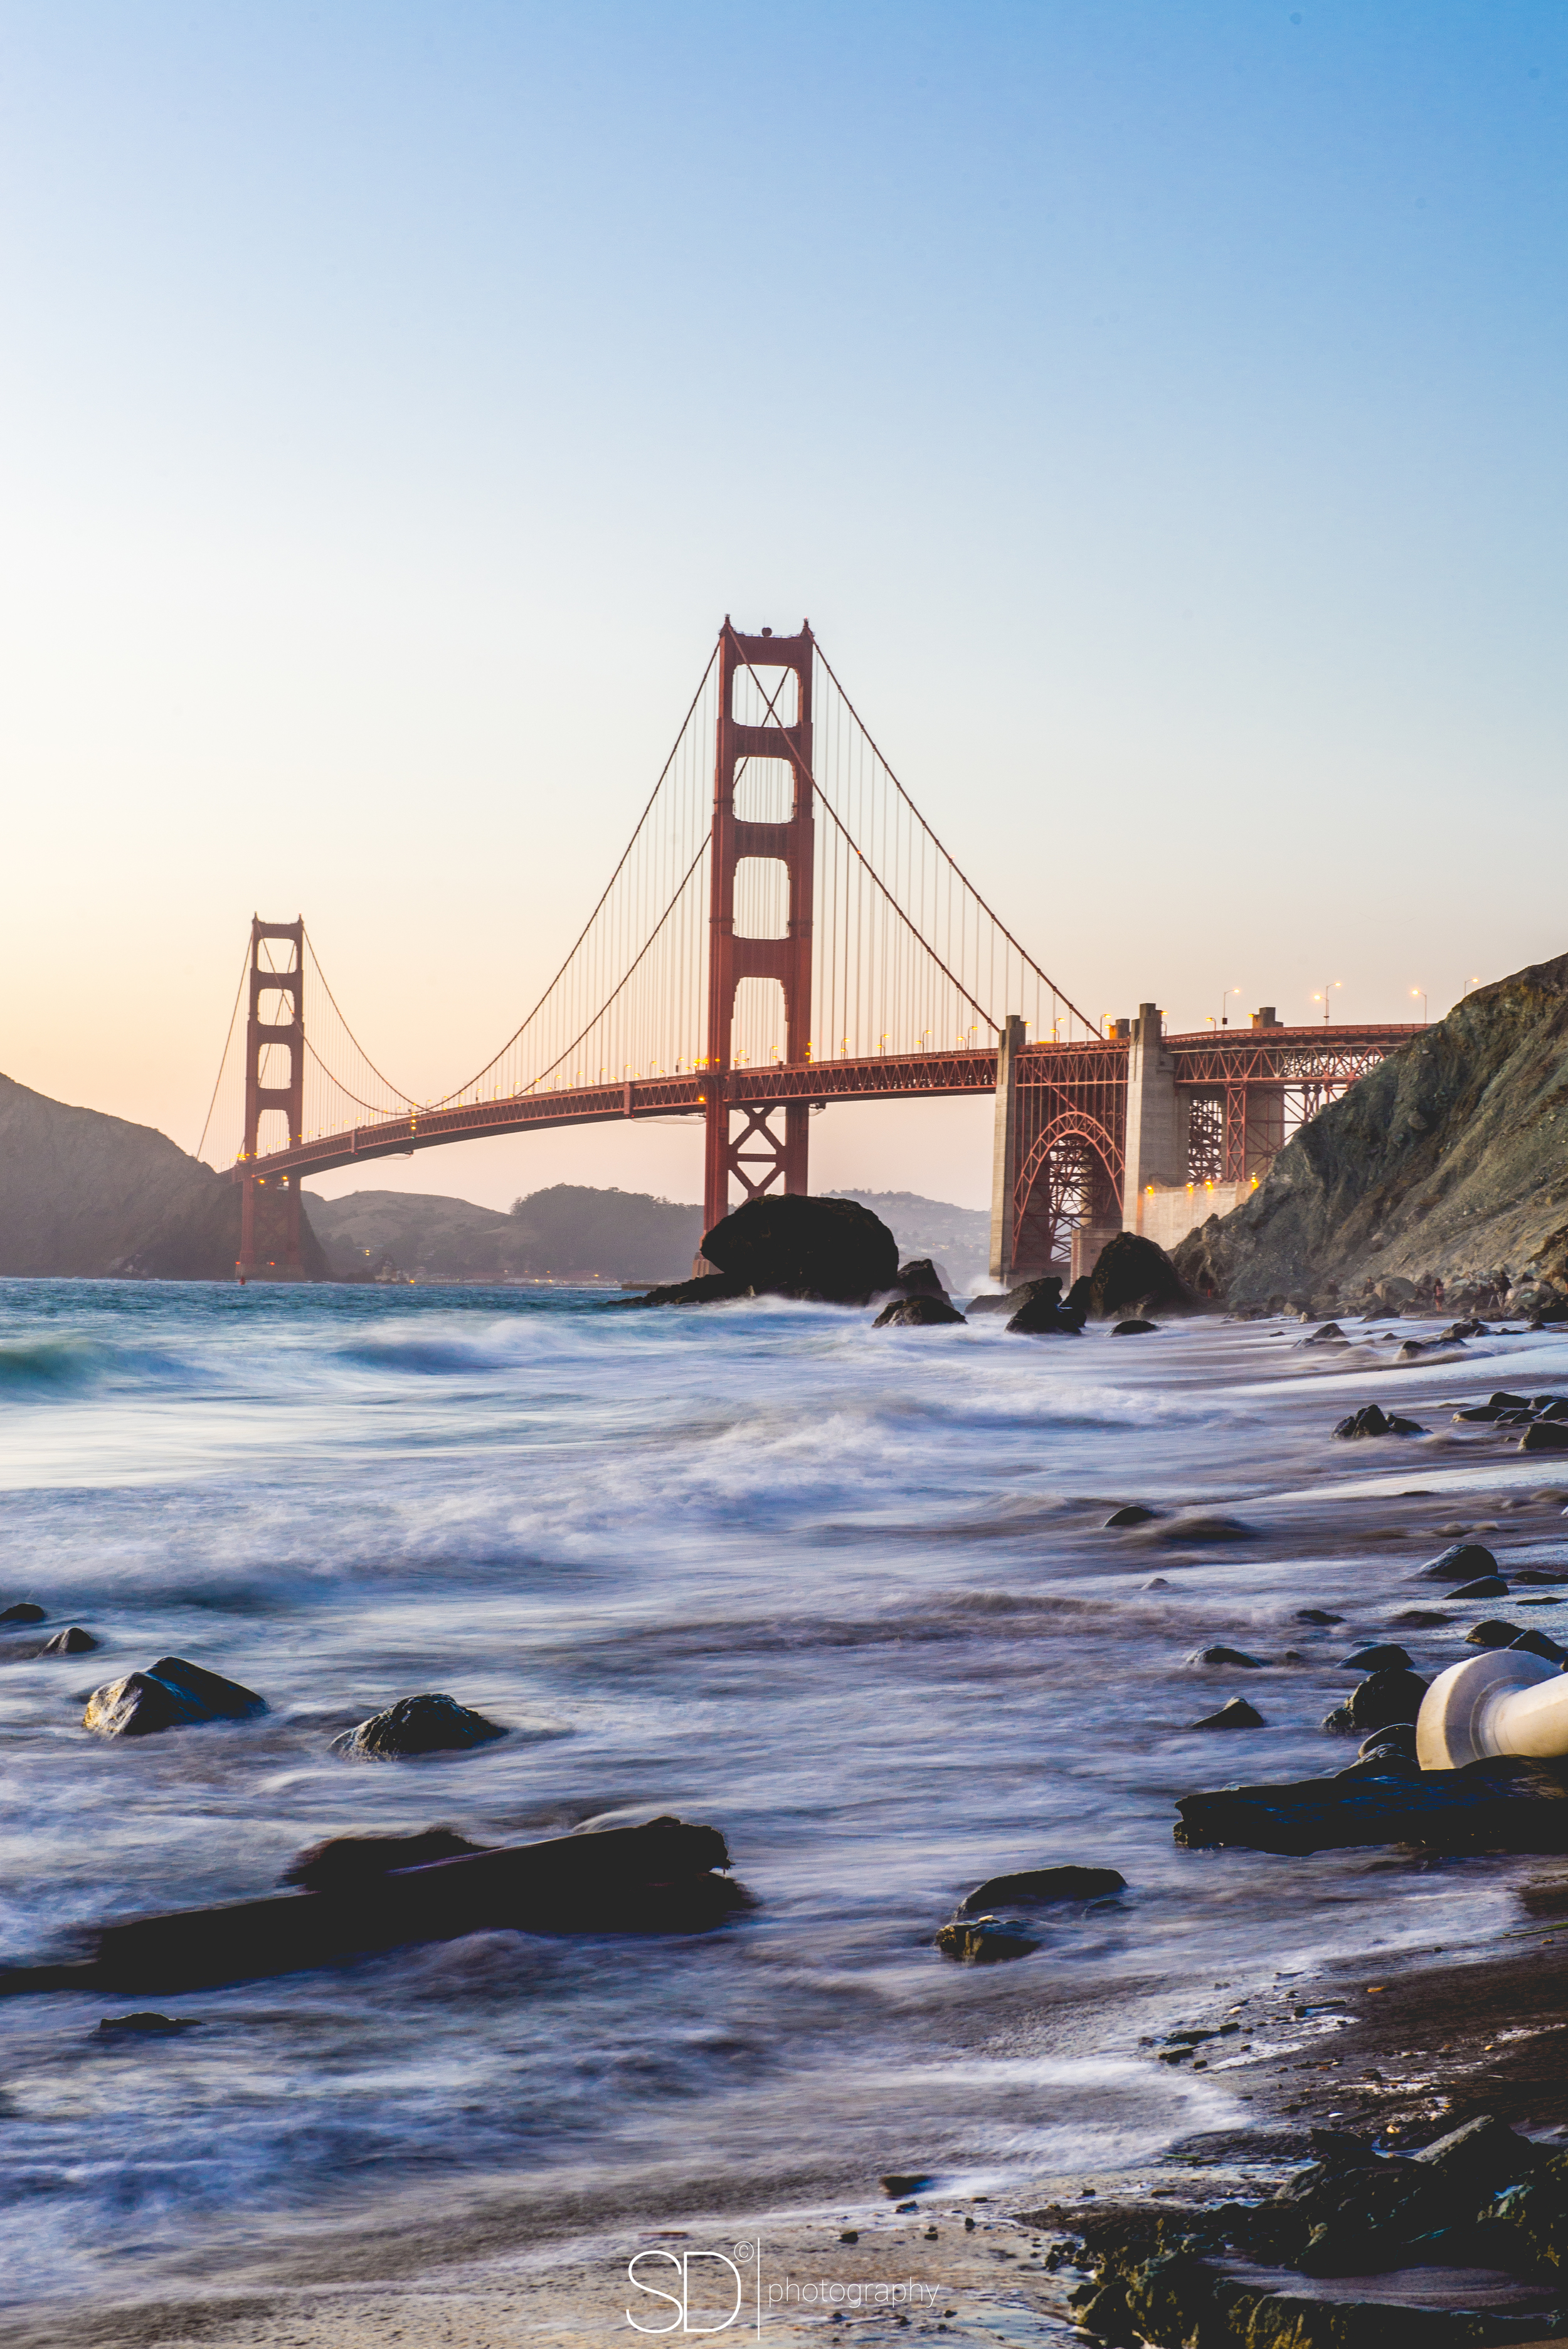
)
(660, 1878)
(1504, 1803)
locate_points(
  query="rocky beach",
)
(881, 1631)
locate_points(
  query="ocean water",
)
(846, 1595)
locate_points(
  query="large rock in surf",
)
(1132, 1271)
(174, 1694)
(1444, 1161)
(1042, 1314)
(429, 1724)
(832, 1251)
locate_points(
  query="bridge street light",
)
(1422, 993)
(1323, 999)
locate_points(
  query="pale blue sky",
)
(1157, 409)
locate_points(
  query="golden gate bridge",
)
(783, 930)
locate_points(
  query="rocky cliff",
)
(86, 1195)
(1449, 1162)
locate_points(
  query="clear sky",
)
(1156, 406)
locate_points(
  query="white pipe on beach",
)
(1505, 1700)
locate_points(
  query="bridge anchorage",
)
(784, 930)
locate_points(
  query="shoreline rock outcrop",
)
(1448, 1162)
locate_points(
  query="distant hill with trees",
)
(571, 1231)
(957, 1237)
(568, 1231)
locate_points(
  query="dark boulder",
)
(173, 1695)
(918, 1278)
(1462, 1563)
(1385, 1697)
(1372, 1421)
(72, 1642)
(1131, 1272)
(1485, 1586)
(1081, 1296)
(985, 1941)
(1492, 1633)
(1544, 1435)
(1237, 1714)
(1133, 1328)
(1035, 1886)
(1386, 1657)
(428, 1723)
(24, 1611)
(1317, 1615)
(1537, 1644)
(1331, 1334)
(919, 1312)
(1040, 1316)
(1135, 1514)
(1222, 1655)
(343, 1863)
(1049, 1287)
(834, 1251)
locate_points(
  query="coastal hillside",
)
(958, 1237)
(89, 1195)
(1448, 1162)
(417, 1234)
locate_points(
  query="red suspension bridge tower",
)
(269, 1204)
(780, 669)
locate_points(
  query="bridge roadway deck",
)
(1212, 1059)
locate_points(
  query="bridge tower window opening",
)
(763, 694)
(765, 792)
(761, 897)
